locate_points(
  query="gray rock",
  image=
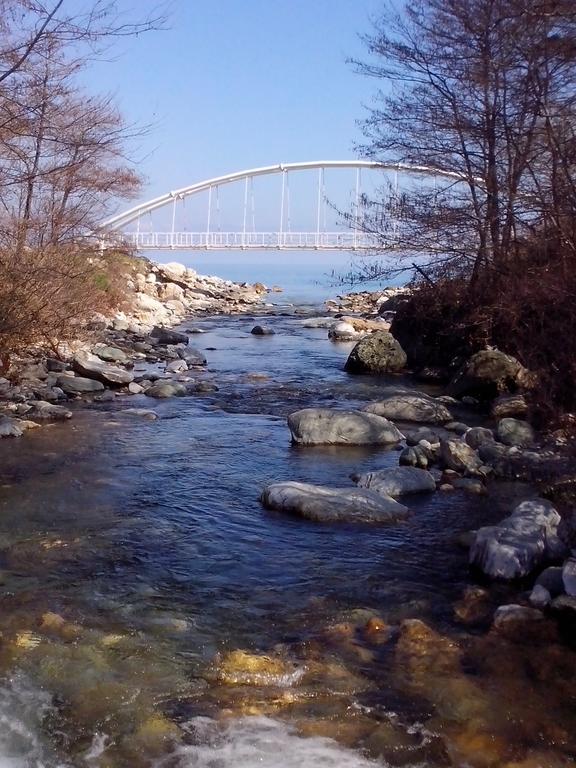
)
(398, 481)
(459, 456)
(79, 385)
(377, 353)
(551, 580)
(564, 604)
(470, 485)
(515, 432)
(110, 354)
(422, 433)
(164, 389)
(135, 389)
(166, 336)
(477, 436)
(569, 576)
(458, 427)
(323, 504)
(520, 544)
(56, 366)
(416, 456)
(411, 407)
(105, 397)
(92, 367)
(323, 426)
(43, 411)
(540, 597)
(193, 357)
(177, 366)
(10, 427)
(262, 330)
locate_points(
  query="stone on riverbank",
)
(457, 455)
(342, 331)
(509, 405)
(477, 436)
(10, 427)
(42, 411)
(165, 336)
(193, 357)
(323, 426)
(79, 385)
(411, 407)
(398, 481)
(521, 543)
(515, 432)
(92, 367)
(331, 505)
(487, 374)
(110, 354)
(377, 353)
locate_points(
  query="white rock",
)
(323, 504)
(324, 426)
(520, 543)
(344, 332)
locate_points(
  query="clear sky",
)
(234, 84)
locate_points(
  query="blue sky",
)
(240, 83)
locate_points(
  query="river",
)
(136, 555)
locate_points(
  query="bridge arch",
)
(120, 220)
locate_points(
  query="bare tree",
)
(484, 89)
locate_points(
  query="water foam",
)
(22, 709)
(259, 742)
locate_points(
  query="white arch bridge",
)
(199, 227)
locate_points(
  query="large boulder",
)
(521, 543)
(165, 336)
(332, 505)
(411, 407)
(398, 481)
(92, 367)
(324, 426)
(377, 353)
(489, 373)
(10, 427)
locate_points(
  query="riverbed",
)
(136, 560)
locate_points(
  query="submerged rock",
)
(323, 426)
(411, 407)
(323, 504)
(398, 481)
(163, 389)
(262, 330)
(520, 543)
(243, 668)
(377, 353)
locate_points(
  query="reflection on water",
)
(135, 555)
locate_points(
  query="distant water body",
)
(306, 277)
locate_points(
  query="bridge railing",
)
(347, 240)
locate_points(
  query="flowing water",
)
(136, 561)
